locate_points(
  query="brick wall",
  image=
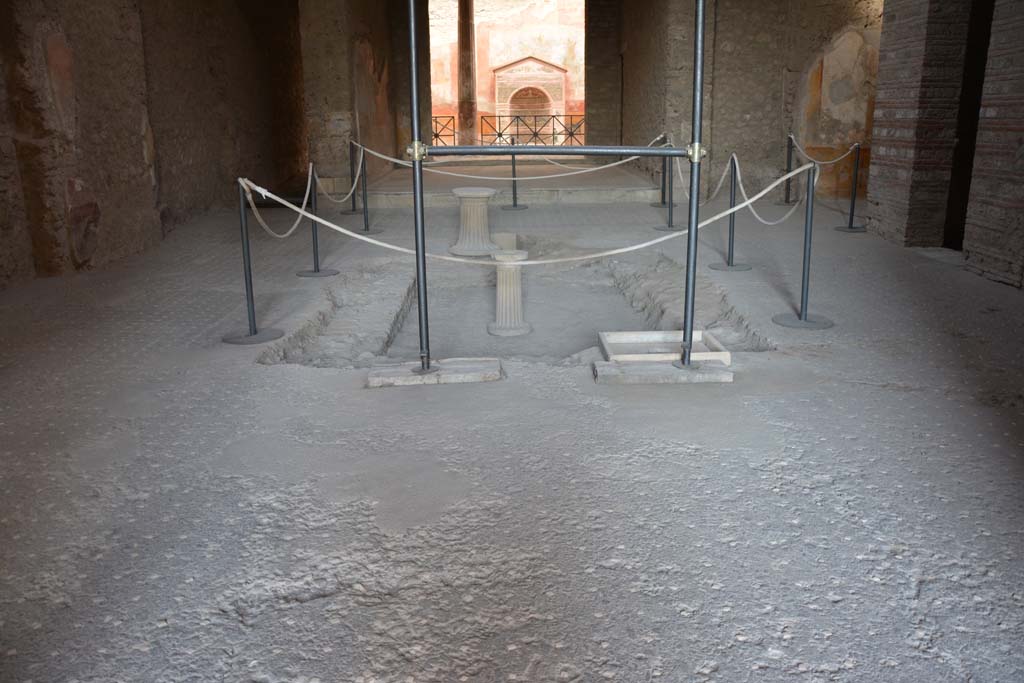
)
(994, 233)
(603, 72)
(919, 77)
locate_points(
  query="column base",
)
(245, 339)
(813, 322)
(472, 251)
(515, 331)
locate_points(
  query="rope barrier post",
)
(352, 149)
(695, 154)
(670, 203)
(317, 271)
(664, 184)
(364, 192)
(854, 182)
(515, 205)
(803, 319)
(418, 152)
(789, 168)
(254, 335)
(730, 261)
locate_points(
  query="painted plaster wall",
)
(994, 232)
(15, 242)
(76, 98)
(603, 100)
(210, 103)
(507, 30)
(347, 63)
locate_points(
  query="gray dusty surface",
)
(173, 509)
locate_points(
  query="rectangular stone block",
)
(611, 372)
(449, 371)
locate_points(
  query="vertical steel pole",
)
(695, 159)
(250, 302)
(730, 261)
(352, 170)
(808, 224)
(671, 190)
(366, 203)
(313, 225)
(853, 183)
(789, 165)
(515, 189)
(417, 192)
(664, 174)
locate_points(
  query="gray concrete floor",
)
(848, 510)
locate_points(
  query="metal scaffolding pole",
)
(418, 152)
(695, 154)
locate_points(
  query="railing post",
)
(352, 150)
(670, 198)
(789, 167)
(317, 271)
(730, 263)
(665, 177)
(804, 320)
(854, 181)
(515, 205)
(254, 336)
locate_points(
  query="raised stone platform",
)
(660, 372)
(448, 371)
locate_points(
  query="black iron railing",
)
(443, 130)
(556, 129)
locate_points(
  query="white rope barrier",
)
(807, 156)
(721, 181)
(298, 220)
(594, 169)
(267, 194)
(743, 193)
(355, 182)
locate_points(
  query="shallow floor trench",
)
(174, 510)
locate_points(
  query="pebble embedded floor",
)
(848, 510)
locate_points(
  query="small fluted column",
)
(474, 230)
(508, 309)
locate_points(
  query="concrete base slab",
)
(449, 371)
(663, 372)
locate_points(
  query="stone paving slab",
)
(643, 372)
(449, 371)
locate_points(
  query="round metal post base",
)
(678, 363)
(674, 228)
(813, 322)
(518, 207)
(371, 231)
(659, 205)
(425, 371)
(499, 331)
(244, 338)
(727, 267)
(847, 228)
(323, 272)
